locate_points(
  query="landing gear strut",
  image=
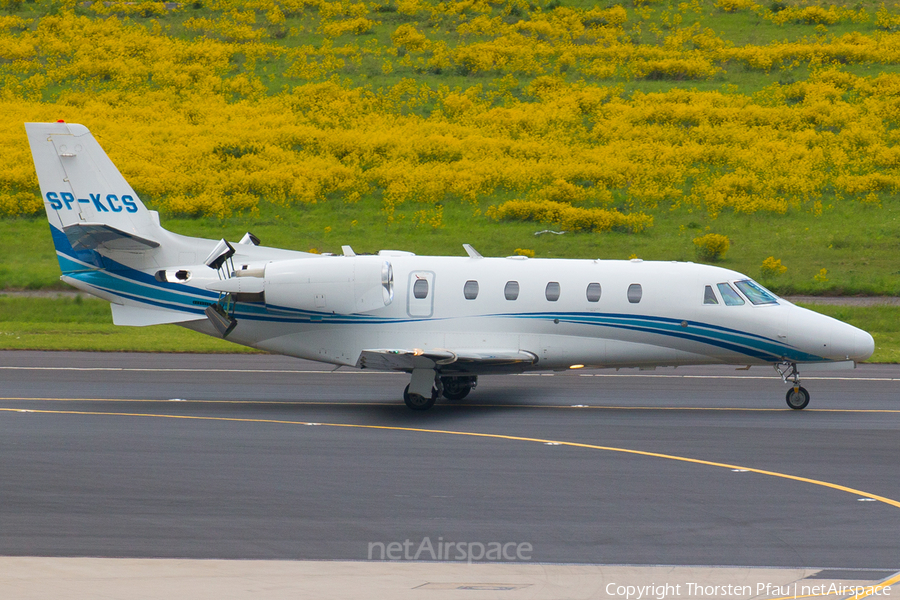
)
(457, 387)
(797, 397)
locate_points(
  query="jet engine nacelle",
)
(332, 284)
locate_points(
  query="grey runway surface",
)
(262, 457)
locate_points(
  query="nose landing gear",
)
(797, 397)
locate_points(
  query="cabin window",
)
(635, 291)
(420, 288)
(756, 293)
(511, 291)
(552, 291)
(709, 296)
(470, 290)
(593, 292)
(731, 297)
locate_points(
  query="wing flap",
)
(404, 359)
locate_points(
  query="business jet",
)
(444, 320)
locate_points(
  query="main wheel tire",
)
(458, 394)
(417, 401)
(455, 388)
(797, 398)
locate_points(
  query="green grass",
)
(857, 245)
(30, 323)
(27, 258)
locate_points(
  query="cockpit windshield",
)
(756, 293)
(731, 297)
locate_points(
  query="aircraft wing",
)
(442, 359)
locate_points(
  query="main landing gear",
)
(797, 397)
(418, 401)
(452, 387)
(458, 387)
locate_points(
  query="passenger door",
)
(420, 295)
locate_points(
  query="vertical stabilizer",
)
(89, 204)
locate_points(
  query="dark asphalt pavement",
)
(141, 455)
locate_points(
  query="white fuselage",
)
(669, 325)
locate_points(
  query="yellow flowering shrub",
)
(563, 191)
(356, 26)
(433, 218)
(615, 16)
(815, 14)
(141, 8)
(885, 20)
(695, 67)
(13, 22)
(233, 29)
(735, 5)
(712, 246)
(568, 217)
(20, 204)
(772, 266)
(406, 36)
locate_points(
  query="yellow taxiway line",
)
(495, 436)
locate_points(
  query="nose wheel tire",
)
(797, 397)
(419, 402)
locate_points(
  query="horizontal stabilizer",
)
(407, 359)
(136, 316)
(90, 236)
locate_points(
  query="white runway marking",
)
(370, 372)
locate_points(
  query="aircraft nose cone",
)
(822, 336)
(864, 345)
(852, 343)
